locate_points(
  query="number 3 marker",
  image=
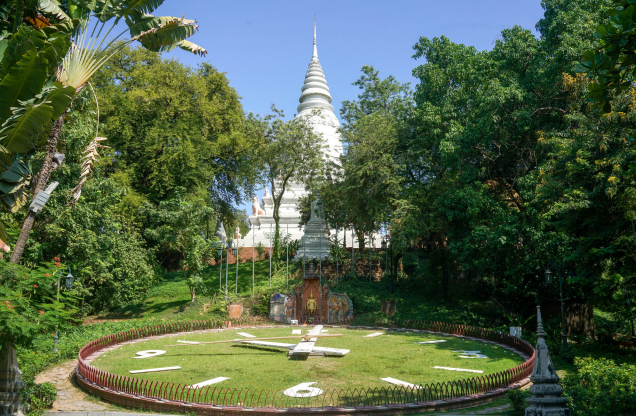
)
(149, 353)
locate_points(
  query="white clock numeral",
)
(303, 390)
(149, 353)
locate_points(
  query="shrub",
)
(29, 306)
(484, 288)
(260, 251)
(600, 387)
(39, 397)
(518, 400)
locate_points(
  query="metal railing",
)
(337, 397)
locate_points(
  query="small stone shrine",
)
(314, 243)
(545, 399)
(310, 303)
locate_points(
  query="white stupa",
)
(314, 96)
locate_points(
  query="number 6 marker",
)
(305, 389)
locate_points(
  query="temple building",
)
(314, 96)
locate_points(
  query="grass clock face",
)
(397, 355)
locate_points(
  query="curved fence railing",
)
(347, 397)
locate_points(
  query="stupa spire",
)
(315, 92)
(315, 53)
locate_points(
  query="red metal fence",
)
(331, 397)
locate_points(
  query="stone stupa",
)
(315, 107)
(315, 243)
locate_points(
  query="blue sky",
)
(264, 47)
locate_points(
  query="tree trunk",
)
(445, 276)
(192, 294)
(361, 242)
(40, 183)
(277, 200)
(395, 263)
(277, 247)
(10, 381)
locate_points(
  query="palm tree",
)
(46, 65)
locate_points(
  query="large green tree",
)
(480, 140)
(290, 152)
(35, 53)
(173, 126)
(485, 160)
(99, 238)
(369, 172)
(176, 225)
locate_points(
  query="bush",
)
(260, 251)
(411, 264)
(39, 397)
(484, 288)
(600, 387)
(518, 400)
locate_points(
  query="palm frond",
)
(28, 121)
(31, 57)
(14, 182)
(88, 162)
(52, 7)
(186, 45)
(162, 38)
(140, 22)
(142, 6)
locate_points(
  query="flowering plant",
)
(28, 302)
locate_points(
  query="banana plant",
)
(28, 104)
(35, 56)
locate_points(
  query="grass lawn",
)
(392, 355)
(170, 298)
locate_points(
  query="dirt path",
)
(70, 397)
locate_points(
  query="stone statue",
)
(220, 232)
(238, 233)
(266, 192)
(5, 247)
(316, 209)
(289, 307)
(312, 306)
(256, 207)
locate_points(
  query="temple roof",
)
(315, 92)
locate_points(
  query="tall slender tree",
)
(292, 153)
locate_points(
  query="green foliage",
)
(102, 237)
(260, 250)
(177, 225)
(368, 173)
(518, 400)
(29, 304)
(291, 152)
(495, 166)
(26, 106)
(13, 183)
(98, 237)
(31, 55)
(612, 64)
(39, 397)
(600, 387)
(175, 126)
